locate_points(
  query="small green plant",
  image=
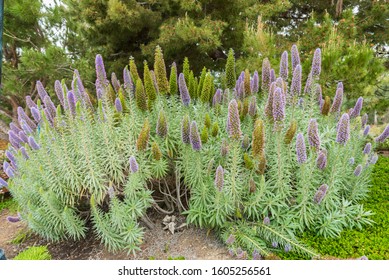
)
(34, 253)
(21, 236)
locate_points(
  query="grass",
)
(34, 253)
(371, 241)
(8, 203)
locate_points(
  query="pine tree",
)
(173, 80)
(160, 71)
(151, 93)
(230, 70)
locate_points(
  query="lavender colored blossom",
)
(32, 143)
(295, 57)
(230, 240)
(30, 103)
(357, 108)
(72, 103)
(14, 128)
(300, 103)
(358, 170)
(321, 160)
(234, 120)
(308, 84)
(256, 255)
(195, 137)
(133, 165)
(10, 156)
(3, 183)
(351, 161)
(36, 114)
(366, 130)
(364, 120)
(385, 134)
(219, 178)
(23, 136)
(295, 89)
(374, 159)
(217, 98)
(184, 93)
(14, 139)
(338, 99)
(59, 92)
(118, 105)
(340, 85)
(284, 66)
(24, 153)
(274, 244)
(115, 82)
(100, 70)
(26, 128)
(241, 91)
(255, 83)
(343, 132)
(367, 149)
(278, 106)
(272, 76)
(127, 81)
(313, 134)
(49, 117)
(323, 188)
(50, 106)
(231, 252)
(13, 219)
(301, 149)
(22, 116)
(316, 63)
(224, 148)
(266, 221)
(318, 197)
(266, 77)
(287, 248)
(5, 165)
(41, 90)
(10, 172)
(363, 258)
(253, 106)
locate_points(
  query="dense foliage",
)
(259, 164)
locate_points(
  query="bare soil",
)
(190, 243)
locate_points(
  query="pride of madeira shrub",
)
(258, 163)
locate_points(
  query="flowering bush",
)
(259, 164)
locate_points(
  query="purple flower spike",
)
(278, 106)
(14, 128)
(364, 120)
(366, 130)
(50, 106)
(313, 134)
(118, 105)
(357, 108)
(184, 93)
(49, 117)
(195, 137)
(3, 183)
(358, 170)
(133, 165)
(100, 70)
(32, 143)
(10, 156)
(318, 197)
(384, 135)
(295, 89)
(253, 106)
(367, 149)
(41, 90)
(22, 115)
(255, 83)
(266, 221)
(284, 66)
(26, 128)
(219, 178)
(274, 244)
(272, 76)
(316, 63)
(374, 159)
(23, 136)
(351, 161)
(256, 255)
(233, 121)
(36, 114)
(24, 153)
(301, 149)
(30, 103)
(14, 139)
(241, 93)
(340, 85)
(5, 165)
(12, 219)
(115, 82)
(308, 84)
(287, 248)
(295, 57)
(59, 92)
(217, 98)
(321, 160)
(338, 99)
(266, 77)
(72, 103)
(343, 133)
(230, 240)
(128, 84)
(10, 172)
